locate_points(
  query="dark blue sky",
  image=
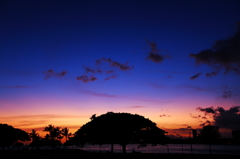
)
(85, 57)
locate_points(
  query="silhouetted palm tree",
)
(55, 134)
(65, 132)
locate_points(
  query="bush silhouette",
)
(120, 128)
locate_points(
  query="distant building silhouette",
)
(236, 134)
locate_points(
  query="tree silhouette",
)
(36, 139)
(65, 132)
(34, 135)
(54, 136)
(55, 133)
(93, 117)
(10, 135)
(210, 134)
(70, 140)
(120, 128)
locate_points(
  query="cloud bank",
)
(224, 55)
(223, 118)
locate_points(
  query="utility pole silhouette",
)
(190, 128)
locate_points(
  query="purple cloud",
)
(227, 94)
(136, 106)
(86, 79)
(214, 73)
(154, 55)
(194, 88)
(123, 67)
(110, 77)
(158, 86)
(164, 115)
(169, 76)
(50, 73)
(109, 72)
(195, 76)
(96, 94)
(15, 87)
(87, 70)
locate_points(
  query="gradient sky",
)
(62, 61)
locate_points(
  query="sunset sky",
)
(63, 61)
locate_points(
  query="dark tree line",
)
(10, 136)
(110, 128)
(52, 138)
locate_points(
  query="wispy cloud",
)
(109, 73)
(41, 116)
(148, 100)
(155, 85)
(89, 70)
(41, 128)
(182, 129)
(227, 94)
(50, 73)
(95, 93)
(110, 77)
(186, 125)
(15, 87)
(194, 87)
(123, 67)
(31, 123)
(21, 72)
(195, 76)
(86, 79)
(136, 106)
(214, 73)
(164, 115)
(167, 77)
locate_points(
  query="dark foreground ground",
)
(78, 154)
